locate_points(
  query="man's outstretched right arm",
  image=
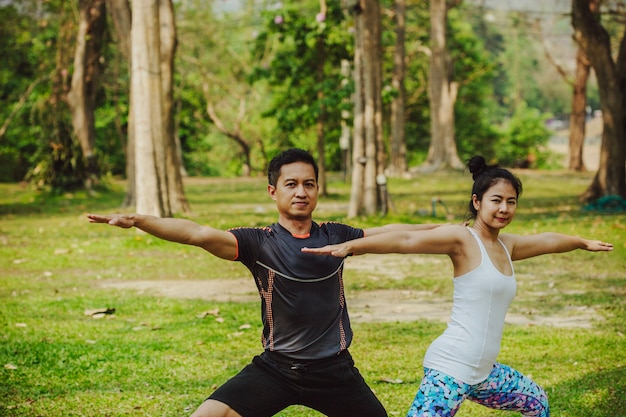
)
(218, 242)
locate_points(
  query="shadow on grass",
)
(597, 394)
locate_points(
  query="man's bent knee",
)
(213, 408)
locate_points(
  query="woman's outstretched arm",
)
(523, 247)
(441, 240)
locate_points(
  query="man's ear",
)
(271, 190)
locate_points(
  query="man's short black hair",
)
(286, 157)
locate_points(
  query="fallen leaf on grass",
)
(214, 312)
(392, 381)
(10, 366)
(98, 313)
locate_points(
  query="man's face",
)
(296, 191)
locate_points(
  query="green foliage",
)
(474, 108)
(214, 66)
(39, 145)
(287, 78)
(305, 71)
(417, 112)
(29, 42)
(524, 139)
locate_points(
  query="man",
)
(306, 327)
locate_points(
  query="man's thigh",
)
(256, 391)
(338, 389)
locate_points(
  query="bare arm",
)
(523, 247)
(439, 240)
(399, 227)
(217, 242)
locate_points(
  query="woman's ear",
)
(476, 202)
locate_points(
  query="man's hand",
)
(124, 221)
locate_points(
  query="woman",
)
(461, 363)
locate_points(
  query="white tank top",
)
(468, 348)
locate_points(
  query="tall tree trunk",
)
(594, 41)
(151, 185)
(81, 98)
(358, 145)
(121, 17)
(59, 168)
(442, 152)
(578, 118)
(321, 118)
(368, 157)
(176, 193)
(398, 164)
(345, 140)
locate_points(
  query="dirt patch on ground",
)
(365, 306)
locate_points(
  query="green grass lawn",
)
(158, 356)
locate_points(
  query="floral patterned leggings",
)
(504, 389)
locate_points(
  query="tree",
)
(58, 164)
(578, 114)
(305, 75)
(163, 169)
(578, 117)
(152, 59)
(81, 98)
(595, 42)
(443, 92)
(38, 142)
(173, 159)
(368, 154)
(216, 62)
(121, 16)
(397, 154)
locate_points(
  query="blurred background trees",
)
(251, 77)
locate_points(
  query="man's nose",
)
(300, 189)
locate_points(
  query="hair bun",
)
(477, 165)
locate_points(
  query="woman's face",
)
(498, 205)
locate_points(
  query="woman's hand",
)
(598, 246)
(339, 251)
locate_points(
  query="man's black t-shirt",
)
(303, 306)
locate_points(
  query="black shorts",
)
(272, 382)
